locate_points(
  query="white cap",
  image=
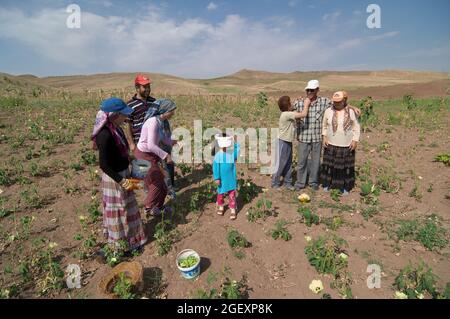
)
(312, 85)
(224, 141)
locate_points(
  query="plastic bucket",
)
(192, 272)
(140, 168)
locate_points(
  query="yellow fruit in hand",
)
(304, 198)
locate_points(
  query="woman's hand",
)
(353, 146)
(127, 184)
(169, 159)
(356, 110)
(217, 182)
(325, 142)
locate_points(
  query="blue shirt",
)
(224, 169)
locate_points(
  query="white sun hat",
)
(224, 141)
(312, 85)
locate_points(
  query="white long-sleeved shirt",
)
(341, 138)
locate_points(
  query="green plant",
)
(204, 195)
(262, 100)
(232, 289)
(325, 254)
(31, 198)
(237, 243)
(38, 171)
(24, 271)
(88, 158)
(415, 281)
(369, 211)
(308, 217)
(237, 240)
(163, 238)
(114, 254)
(188, 262)
(123, 288)
(94, 211)
(431, 235)
(368, 117)
(388, 181)
(446, 294)
(53, 277)
(369, 193)
(185, 169)
(5, 177)
(445, 159)
(26, 222)
(415, 192)
(383, 147)
(76, 166)
(248, 190)
(262, 210)
(89, 240)
(407, 230)
(229, 289)
(409, 102)
(336, 195)
(428, 232)
(334, 223)
(281, 231)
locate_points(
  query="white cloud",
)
(212, 6)
(358, 42)
(155, 42)
(331, 16)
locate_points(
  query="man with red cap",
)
(140, 103)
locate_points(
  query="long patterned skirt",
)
(338, 168)
(121, 217)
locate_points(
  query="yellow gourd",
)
(304, 198)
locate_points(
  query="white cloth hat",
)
(224, 141)
(312, 85)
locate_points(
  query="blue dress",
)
(224, 168)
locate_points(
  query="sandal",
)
(221, 211)
(233, 215)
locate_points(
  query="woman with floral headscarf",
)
(121, 217)
(150, 148)
(341, 133)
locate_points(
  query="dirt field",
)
(48, 179)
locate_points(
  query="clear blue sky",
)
(212, 38)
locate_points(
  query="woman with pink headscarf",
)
(121, 217)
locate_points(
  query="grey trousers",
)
(308, 166)
(284, 164)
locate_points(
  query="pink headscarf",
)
(105, 119)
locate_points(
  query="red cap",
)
(142, 80)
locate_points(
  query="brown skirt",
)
(154, 181)
(338, 168)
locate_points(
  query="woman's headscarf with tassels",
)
(348, 122)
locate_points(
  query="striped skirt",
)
(338, 168)
(121, 217)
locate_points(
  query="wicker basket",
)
(133, 271)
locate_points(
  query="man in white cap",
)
(309, 133)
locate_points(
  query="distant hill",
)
(242, 82)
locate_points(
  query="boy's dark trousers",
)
(284, 164)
